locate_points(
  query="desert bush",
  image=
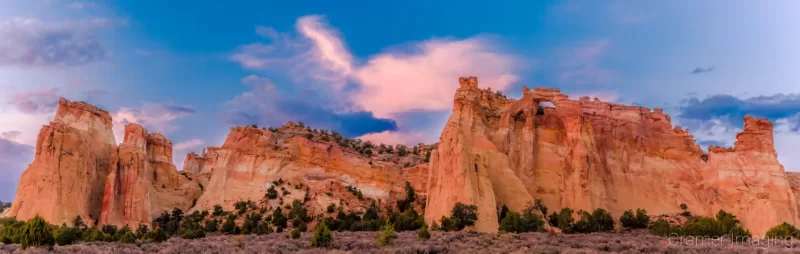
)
(119, 233)
(517, 223)
(36, 233)
(109, 229)
(386, 235)
(423, 233)
(461, 216)
(158, 235)
(661, 228)
(408, 220)
(93, 235)
(263, 228)
(564, 220)
(217, 210)
(141, 231)
(212, 225)
(783, 231)
(503, 211)
(727, 221)
(322, 236)
(703, 226)
(331, 208)
(127, 237)
(685, 212)
(278, 219)
(64, 235)
(193, 233)
(739, 234)
(295, 234)
(640, 220)
(229, 227)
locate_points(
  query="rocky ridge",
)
(587, 154)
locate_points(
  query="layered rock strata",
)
(587, 154)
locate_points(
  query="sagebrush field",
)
(440, 242)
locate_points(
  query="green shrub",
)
(263, 228)
(127, 237)
(727, 221)
(217, 210)
(93, 235)
(640, 220)
(564, 220)
(322, 236)
(141, 231)
(64, 236)
(119, 233)
(212, 225)
(783, 231)
(423, 233)
(685, 212)
(386, 235)
(461, 216)
(158, 235)
(739, 234)
(601, 221)
(109, 229)
(435, 226)
(661, 228)
(36, 233)
(703, 226)
(517, 223)
(295, 234)
(193, 233)
(331, 208)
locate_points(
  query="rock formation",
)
(78, 170)
(587, 154)
(74, 155)
(145, 183)
(251, 159)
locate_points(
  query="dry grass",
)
(458, 242)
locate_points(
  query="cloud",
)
(700, 70)
(30, 42)
(42, 100)
(14, 157)
(706, 143)
(82, 5)
(396, 137)
(416, 76)
(154, 117)
(730, 108)
(580, 64)
(426, 78)
(609, 96)
(188, 144)
(143, 52)
(266, 105)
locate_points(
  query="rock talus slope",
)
(588, 154)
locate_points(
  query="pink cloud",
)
(188, 144)
(35, 101)
(395, 137)
(426, 80)
(385, 84)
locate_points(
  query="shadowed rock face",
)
(78, 170)
(588, 154)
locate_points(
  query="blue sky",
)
(386, 70)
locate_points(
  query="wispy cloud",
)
(154, 117)
(188, 144)
(30, 42)
(38, 101)
(700, 70)
(380, 84)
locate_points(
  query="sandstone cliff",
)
(324, 164)
(74, 155)
(145, 183)
(587, 154)
(78, 170)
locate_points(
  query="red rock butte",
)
(587, 154)
(581, 154)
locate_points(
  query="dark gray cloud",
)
(266, 105)
(33, 43)
(700, 70)
(733, 109)
(14, 157)
(178, 109)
